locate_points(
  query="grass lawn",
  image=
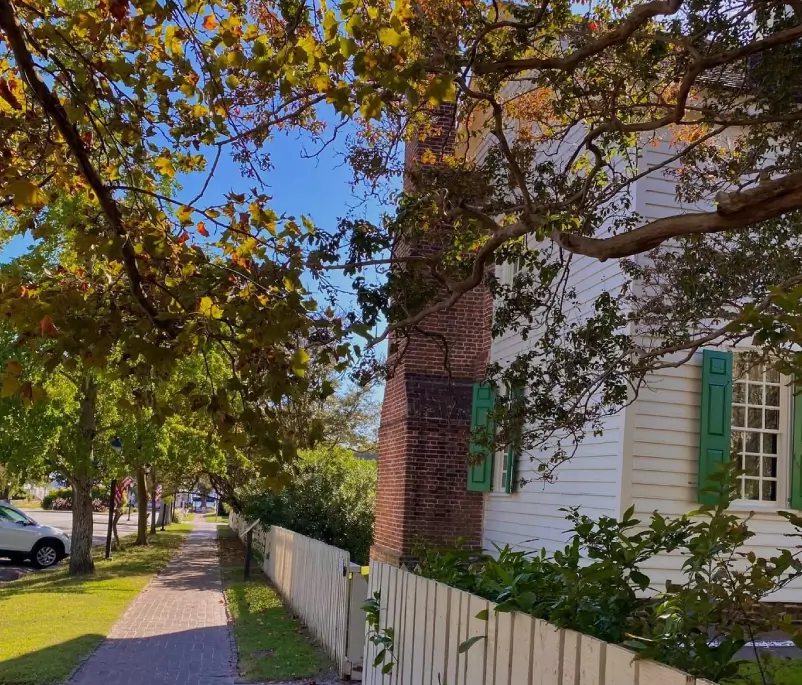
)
(27, 503)
(214, 518)
(272, 645)
(49, 622)
(778, 672)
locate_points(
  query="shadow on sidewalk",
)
(199, 657)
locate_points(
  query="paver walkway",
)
(175, 632)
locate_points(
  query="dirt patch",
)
(232, 551)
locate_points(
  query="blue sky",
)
(319, 188)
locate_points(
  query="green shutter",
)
(480, 475)
(795, 500)
(714, 440)
(513, 451)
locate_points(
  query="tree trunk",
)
(81, 562)
(141, 508)
(5, 493)
(153, 500)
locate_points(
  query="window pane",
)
(752, 442)
(772, 375)
(751, 488)
(738, 393)
(755, 372)
(755, 418)
(752, 465)
(738, 417)
(740, 368)
(769, 467)
(773, 419)
(737, 442)
(769, 443)
(773, 396)
(769, 490)
(755, 395)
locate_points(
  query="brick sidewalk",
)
(175, 632)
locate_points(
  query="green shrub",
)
(596, 585)
(330, 497)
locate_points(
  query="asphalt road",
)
(63, 520)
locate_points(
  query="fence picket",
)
(503, 664)
(441, 633)
(620, 667)
(652, 673)
(591, 667)
(572, 642)
(522, 639)
(547, 655)
(475, 657)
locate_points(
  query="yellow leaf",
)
(208, 308)
(11, 385)
(300, 359)
(13, 368)
(26, 194)
(184, 215)
(164, 165)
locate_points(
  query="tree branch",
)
(53, 107)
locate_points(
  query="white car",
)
(23, 538)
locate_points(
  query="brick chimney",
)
(426, 415)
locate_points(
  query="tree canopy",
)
(104, 108)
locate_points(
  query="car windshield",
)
(11, 515)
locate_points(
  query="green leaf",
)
(483, 615)
(387, 668)
(379, 658)
(470, 642)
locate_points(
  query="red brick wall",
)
(425, 421)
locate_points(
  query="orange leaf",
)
(183, 238)
(210, 22)
(202, 229)
(48, 326)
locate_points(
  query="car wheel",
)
(45, 554)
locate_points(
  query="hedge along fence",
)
(320, 585)
(424, 625)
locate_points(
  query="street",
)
(63, 520)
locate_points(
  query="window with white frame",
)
(760, 438)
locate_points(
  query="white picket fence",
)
(431, 620)
(320, 585)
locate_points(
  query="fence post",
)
(248, 552)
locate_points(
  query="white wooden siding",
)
(531, 518)
(665, 439)
(664, 476)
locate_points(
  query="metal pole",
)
(112, 502)
(248, 550)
